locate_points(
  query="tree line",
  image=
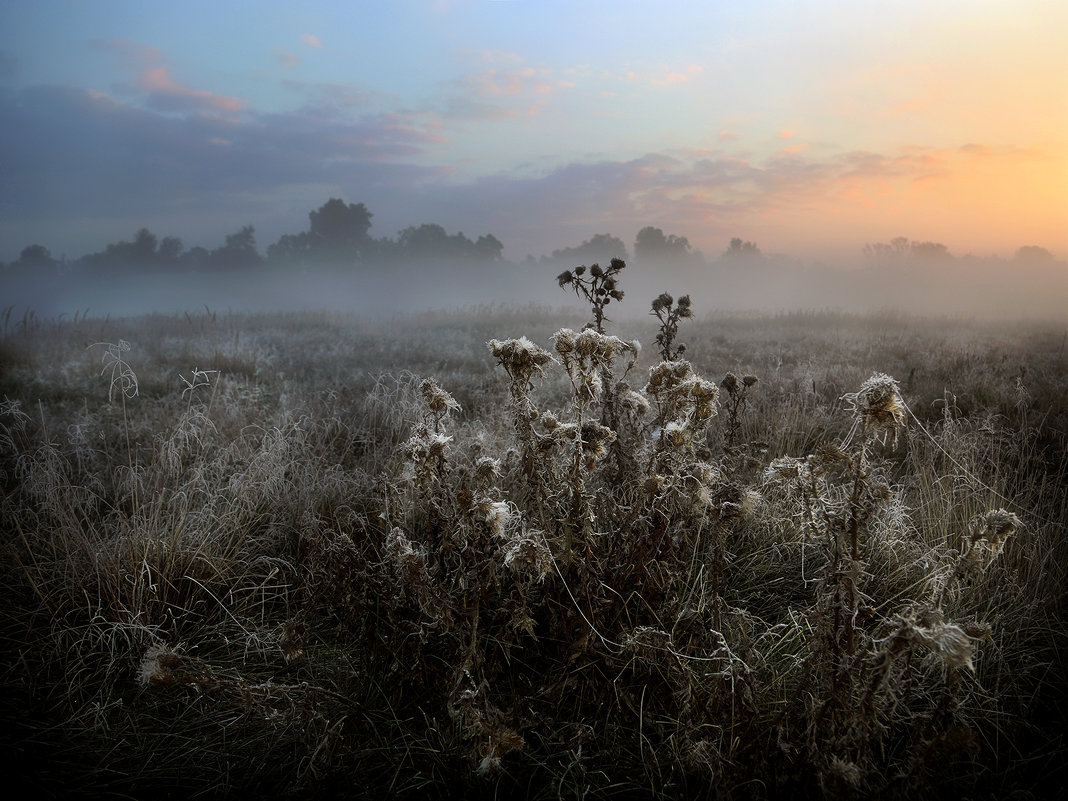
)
(339, 233)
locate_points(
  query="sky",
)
(811, 128)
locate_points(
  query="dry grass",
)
(297, 555)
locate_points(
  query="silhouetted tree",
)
(143, 249)
(488, 248)
(930, 251)
(195, 258)
(739, 249)
(35, 257)
(901, 248)
(432, 241)
(239, 250)
(338, 229)
(652, 244)
(170, 251)
(1033, 254)
(337, 232)
(599, 248)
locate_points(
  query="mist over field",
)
(998, 290)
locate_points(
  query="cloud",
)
(507, 89)
(287, 60)
(343, 95)
(673, 76)
(311, 40)
(153, 76)
(72, 152)
(166, 94)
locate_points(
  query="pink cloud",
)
(154, 77)
(311, 40)
(676, 76)
(158, 81)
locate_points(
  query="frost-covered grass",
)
(494, 553)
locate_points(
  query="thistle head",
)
(879, 408)
(520, 357)
(437, 400)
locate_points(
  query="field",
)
(293, 555)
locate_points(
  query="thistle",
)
(600, 289)
(669, 317)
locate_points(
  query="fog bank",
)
(997, 290)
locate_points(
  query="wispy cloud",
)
(287, 60)
(509, 88)
(311, 40)
(153, 76)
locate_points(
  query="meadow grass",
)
(494, 552)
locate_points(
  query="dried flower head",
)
(528, 553)
(879, 408)
(995, 526)
(158, 666)
(520, 357)
(495, 514)
(675, 434)
(487, 469)
(949, 642)
(437, 400)
(667, 375)
(595, 439)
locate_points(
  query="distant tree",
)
(598, 248)
(35, 257)
(195, 258)
(239, 250)
(901, 248)
(488, 248)
(652, 244)
(141, 252)
(738, 249)
(432, 241)
(290, 248)
(337, 232)
(428, 239)
(1033, 254)
(930, 251)
(143, 249)
(338, 229)
(170, 251)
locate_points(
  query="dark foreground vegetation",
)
(497, 554)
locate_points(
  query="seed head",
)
(496, 514)
(487, 469)
(949, 642)
(878, 406)
(437, 399)
(520, 357)
(995, 526)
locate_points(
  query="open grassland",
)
(305, 554)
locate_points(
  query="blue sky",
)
(810, 127)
